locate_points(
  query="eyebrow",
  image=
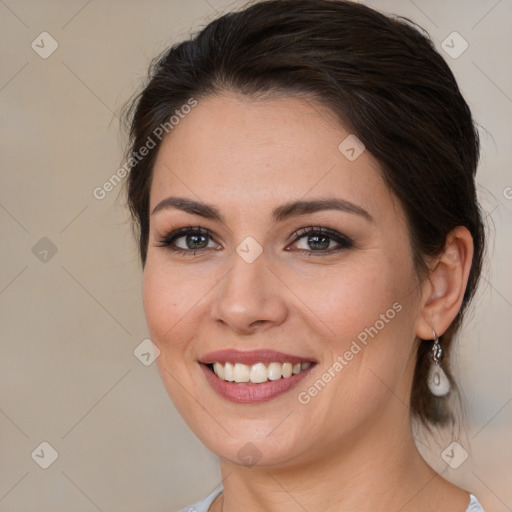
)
(279, 214)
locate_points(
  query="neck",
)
(372, 471)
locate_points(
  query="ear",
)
(443, 290)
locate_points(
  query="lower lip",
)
(244, 393)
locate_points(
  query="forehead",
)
(235, 149)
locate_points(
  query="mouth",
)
(256, 376)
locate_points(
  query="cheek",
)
(167, 299)
(350, 298)
(366, 311)
(177, 302)
(369, 314)
(169, 309)
(159, 304)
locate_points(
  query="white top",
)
(204, 504)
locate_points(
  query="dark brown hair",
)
(386, 83)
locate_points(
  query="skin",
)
(350, 447)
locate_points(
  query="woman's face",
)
(302, 256)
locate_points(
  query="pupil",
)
(196, 241)
(320, 242)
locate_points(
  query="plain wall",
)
(70, 321)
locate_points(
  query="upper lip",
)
(252, 357)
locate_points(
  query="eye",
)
(192, 240)
(320, 240)
(189, 240)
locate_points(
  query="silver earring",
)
(438, 382)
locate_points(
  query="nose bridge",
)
(247, 277)
(247, 294)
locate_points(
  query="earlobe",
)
(445, 285)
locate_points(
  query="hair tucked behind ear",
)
(386, 83)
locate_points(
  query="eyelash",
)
(343, 241)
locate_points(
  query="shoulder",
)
(474, 505)
(204, 504)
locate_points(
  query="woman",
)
(304, 197)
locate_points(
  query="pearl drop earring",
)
(438, 382)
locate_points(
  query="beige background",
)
(71, 320)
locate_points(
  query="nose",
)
(250, 298)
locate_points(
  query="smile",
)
(255, 376)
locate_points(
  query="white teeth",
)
(257, 373)
(228, 372)
(274, 371)
(241, 373)
(287, 370)
(219, 370)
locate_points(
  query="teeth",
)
(274, 371)
(257, 373)
(287, 370)
(219, 370)
(228, 372)
(241, 373)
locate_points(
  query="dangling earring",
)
(438, 382)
